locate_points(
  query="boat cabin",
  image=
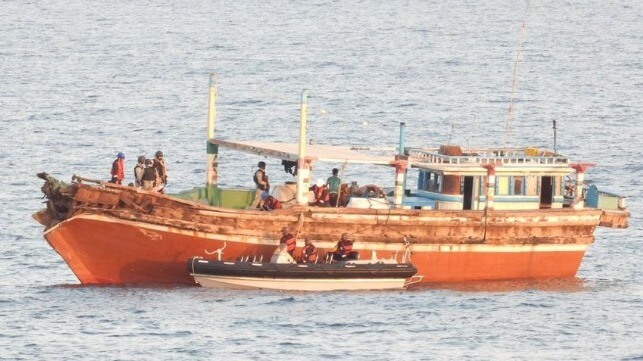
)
(454, 178)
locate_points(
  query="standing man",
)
(332, 184)
(150, 176)
(139, 169)
(261, 181)
(161, 169)
(118, 169)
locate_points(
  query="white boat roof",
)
(511, 162)
(317, 152)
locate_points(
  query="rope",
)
(521, 41)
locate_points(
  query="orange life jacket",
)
(321, 194)
(345, 247)
(271, 203)
(117, 169)
(309, 254)
(290, 242)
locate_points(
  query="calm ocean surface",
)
(82, 80)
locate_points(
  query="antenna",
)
(554, 122)
(450, 134)
(515, 75)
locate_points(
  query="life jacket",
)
(150, 174)
(117, 169)
(309, 254)
(259, 174)
(159, 165)
(321, 194)
(345, 247)
(271, 203)
(139, 170)
(290, 242)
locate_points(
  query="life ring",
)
(371, 190)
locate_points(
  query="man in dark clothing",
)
(150, 176)
(139, 169)
(261, 181)
(159, 165)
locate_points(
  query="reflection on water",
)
(573, 284)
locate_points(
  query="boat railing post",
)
(303, 165)
(491, 185)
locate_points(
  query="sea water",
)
(82, 81)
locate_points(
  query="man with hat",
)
(118, 169)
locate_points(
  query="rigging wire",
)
(521, 41)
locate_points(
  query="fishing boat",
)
(283, 273)
(477, 213)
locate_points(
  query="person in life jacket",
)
(288, 240)
(261, 181)
(269, 202)
(118, 169)
(308, 253)
(150, 176)
(320, 191)
(161, 169)
(139, 169)
(344, 249)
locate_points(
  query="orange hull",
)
(100, 250)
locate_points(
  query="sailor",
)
(269, 203)
(320, 192)
(332, 184)
(161, 169)
(261, 181)
(344, 249)
(139, 169)
(288, 240)
(150, 176)
(118, 167)
(309, 252)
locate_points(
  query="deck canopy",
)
(316, 152)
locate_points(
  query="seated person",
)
(344, 249)
(288, 240)
(308, 253)
(321, 194)
(269, 203)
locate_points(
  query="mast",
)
(212, 174)
(303, 164)
(400, 163)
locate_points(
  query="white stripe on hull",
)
(293, 284)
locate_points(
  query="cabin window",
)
(558, 186)
(531, 185)
(430, 181)
(518, 185)
(502, 186)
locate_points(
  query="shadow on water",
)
(571, 285)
